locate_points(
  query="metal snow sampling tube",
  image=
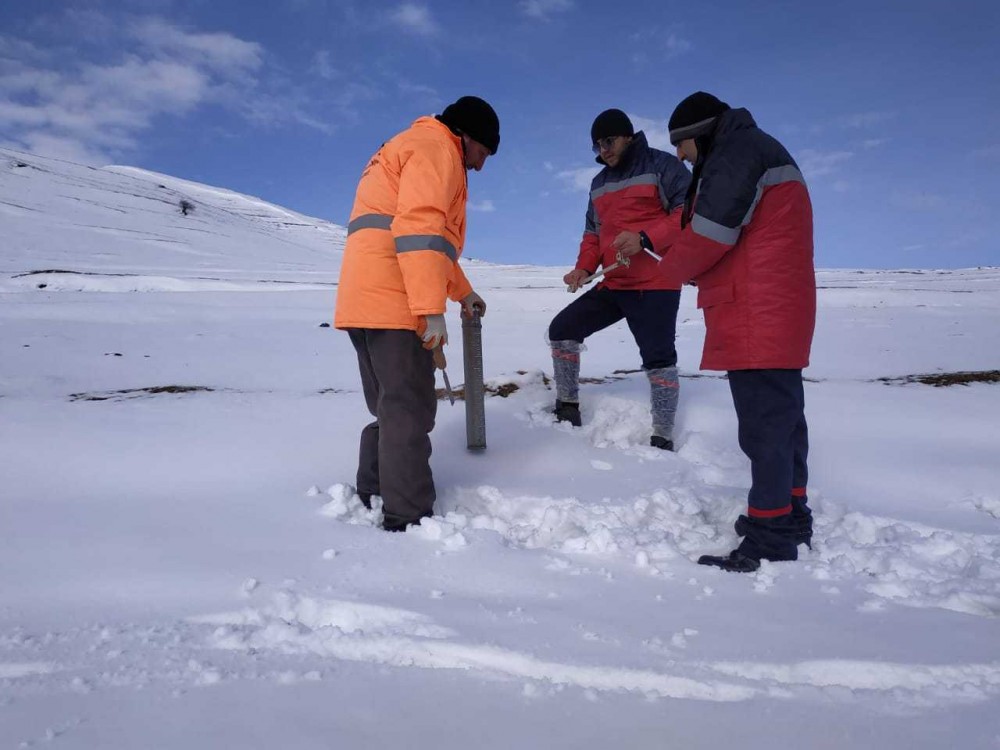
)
(475, 392)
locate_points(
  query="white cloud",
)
(871, 143)
(484, 206)
(990, 152)
(579, 179)
(676, 45)
(19, 49)
(347, 98)
(865, 119)
(97, 105)
(917, 200)
(654, 44)
(415, 19)
(815, 163)
(56, 147)
(656, 132)
(100, 108)
(322, 66)
(543, 9)
(20, 80)
(292, 107)
(218, 51)
(419, 90)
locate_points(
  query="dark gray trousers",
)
(397, 375)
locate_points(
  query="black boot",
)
(799, 528)
(763, 539)
(802, 517)
(391, 522)
(662, 443)
(366, 499)
(567, 411)
(734, 562)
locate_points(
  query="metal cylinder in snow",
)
(475, 407)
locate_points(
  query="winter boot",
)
(763, 539)
(658, 441)
(392, 522)
(664, 390)
(366, 499)
(800, 523)
(802, 517)
(734, 562)
(566, 370)
(567, 411)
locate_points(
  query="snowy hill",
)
(185, 563)
(122, 220)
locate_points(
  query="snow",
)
(192, 568)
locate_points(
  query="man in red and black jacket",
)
(748, 245)
(635, 204)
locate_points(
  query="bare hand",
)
(575, 278)
(627, 243)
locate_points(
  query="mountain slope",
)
(123, 220)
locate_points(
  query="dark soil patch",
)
(72, 273)
(130, 393)
(503, 391)
(942, 379)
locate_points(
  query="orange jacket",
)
(406, 232)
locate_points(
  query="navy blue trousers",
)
(770, 407)
(651, 315)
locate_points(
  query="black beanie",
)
(695, 116)
(609, 123)
(474, 117)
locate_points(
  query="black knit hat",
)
(474, 117)
(695, 116)
(609, 123)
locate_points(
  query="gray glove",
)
(473, 300)
(437, 332)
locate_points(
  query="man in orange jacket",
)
(400, 263)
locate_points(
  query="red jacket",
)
(644, 192)
(749, 248)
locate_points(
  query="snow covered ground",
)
(189, 567)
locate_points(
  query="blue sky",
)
(892, 109)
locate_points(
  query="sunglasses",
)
(605, 144)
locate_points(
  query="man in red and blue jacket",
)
(635, 203)
(748, 245)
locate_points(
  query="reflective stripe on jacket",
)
(749, 248)
(640, 194)
(406, 232)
